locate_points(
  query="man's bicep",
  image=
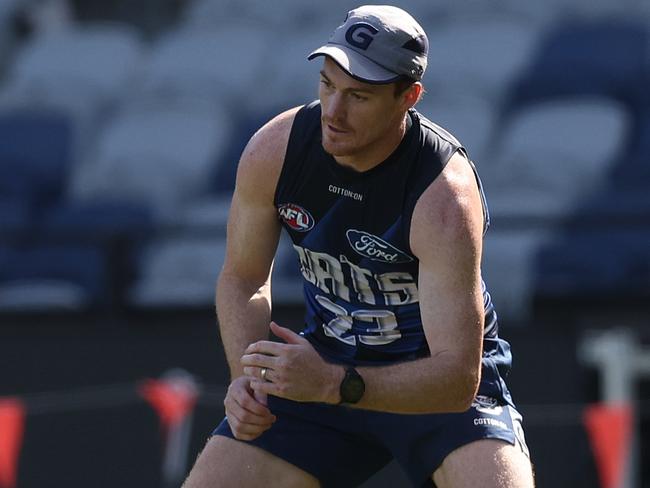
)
(252, 239)
(446, 236)
(450, 307)
(253, 226)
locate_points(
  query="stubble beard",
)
(338, 149)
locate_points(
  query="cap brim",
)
(355, 64)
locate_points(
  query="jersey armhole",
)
(301, 126)
(423, 187)
(486, 210)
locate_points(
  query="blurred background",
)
(121, 123)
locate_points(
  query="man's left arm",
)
(446, 237)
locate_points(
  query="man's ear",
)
(413, 94)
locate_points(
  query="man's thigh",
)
(487, 463)
(227, 462)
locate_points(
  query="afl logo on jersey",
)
(375, 248)
(296, 217)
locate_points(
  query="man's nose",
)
(335, 108)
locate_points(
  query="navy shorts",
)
(343, 447)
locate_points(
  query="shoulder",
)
(437, 147)
(262, 159)
(268, 146)
(449, 210)
(437, 136)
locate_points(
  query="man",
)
(400, 356)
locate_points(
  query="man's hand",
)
(246, 410)
(294, 370)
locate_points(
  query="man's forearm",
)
(244, 313)
(430, 385)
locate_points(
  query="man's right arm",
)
(244, 286)
(244, 289)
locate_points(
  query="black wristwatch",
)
(352, 387)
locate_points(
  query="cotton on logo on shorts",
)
(491, 422)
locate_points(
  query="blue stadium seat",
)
(7, 36)
(548, 159)
(208, 213)
(158, 157)
(212, 64)
(83, 71)
(633, 171)
(289, 78)
(35, 155)
(97, 221)
(98, 58)
(600, 262)
(624, 195)
(479, 55)
(15, 218)
(626, 205)
(509, 266)
(606, 57)
(178, 271)
(43, 277)
(244, 127)
(281, 14)
(5, 254)
(553, 11)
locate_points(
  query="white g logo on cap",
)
(363, 37)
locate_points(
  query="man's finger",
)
(246, 417)
(243, 430)
(259, 360)
(287, 335)
(269, 348)
(263, 374)
(247, 437)
(267, 388)
(261, 397)
(248, 402)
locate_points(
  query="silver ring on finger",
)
(263, 374)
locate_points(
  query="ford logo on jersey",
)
(296, 217)
(375, 248)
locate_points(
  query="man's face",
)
(356, 116)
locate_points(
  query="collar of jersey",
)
(347, 174)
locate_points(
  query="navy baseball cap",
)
(378, 44)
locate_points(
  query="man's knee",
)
(486, 463)
(226, 462)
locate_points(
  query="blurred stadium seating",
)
(108, 128)
(121, 122)
(36, 152)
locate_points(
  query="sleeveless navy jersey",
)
(351, 232)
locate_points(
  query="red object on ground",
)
(12, 427)
(610, 431)
(173, 400)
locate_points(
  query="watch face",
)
(352, 387)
